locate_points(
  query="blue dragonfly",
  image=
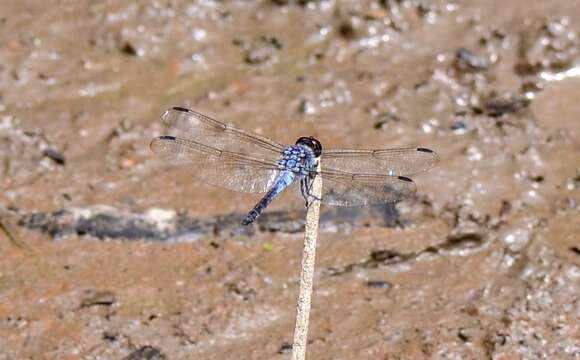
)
(242, 161)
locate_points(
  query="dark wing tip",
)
(433, 154)
(179, 108)
(166, 137)
(157, 142)
(404, 178)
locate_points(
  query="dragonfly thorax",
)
(299, 159)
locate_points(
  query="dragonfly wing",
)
(203, 129)
(394, 162)
(218, 167)
(347, 189)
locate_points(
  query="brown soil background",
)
(486, 266)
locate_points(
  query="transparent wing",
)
(200, 128)
(346, 189)
(395, 162)
(219, 167)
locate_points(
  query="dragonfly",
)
(223, 155)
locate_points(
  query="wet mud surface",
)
(109, 254)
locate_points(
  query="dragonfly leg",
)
(304, 190)
(306, 187)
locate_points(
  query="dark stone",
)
(384, 119)
(263, 51)
(379, 284)
(458, 126)
(285, 348)
(384, 255)
(129, 49)
(498, 106)
(55, 156)
(462, 334)
(146, 353)
(467, 60)
(110, 336)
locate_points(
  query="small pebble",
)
(55, 156)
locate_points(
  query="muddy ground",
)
(107, 253)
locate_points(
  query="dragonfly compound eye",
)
(312, 143)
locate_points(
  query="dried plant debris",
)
(106, 222)
(13, 237)
(92, 297)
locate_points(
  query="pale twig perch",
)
(307, 271)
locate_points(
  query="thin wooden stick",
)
(307, 271)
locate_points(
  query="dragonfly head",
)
(312, 143)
